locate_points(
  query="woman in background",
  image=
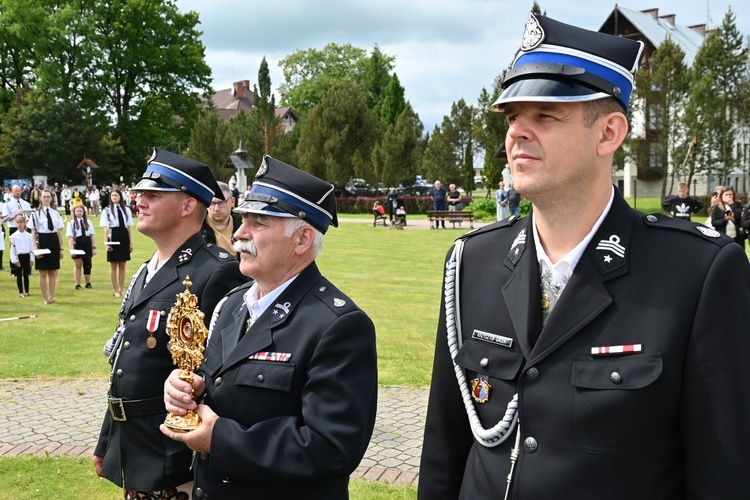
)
(726, 215)
(118, 220)
(81, 236)
(46, 231)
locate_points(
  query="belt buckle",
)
(117, 409)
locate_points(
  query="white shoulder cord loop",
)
(214, 318)
(502, 430)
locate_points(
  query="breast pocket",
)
(614, 402)
(266, 375)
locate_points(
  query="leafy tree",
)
(310, 74)
(721, 69)
(468, 168)
(489, 133)
(663, 88)
(337, 139)
(451, 141)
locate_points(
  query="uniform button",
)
(204, 456)
(126, 345)
(119, 373)
(615, 378)
(261, 378)
(322, 289)
(532, 373)
(218, 381)
(198, 493)
(226, 480)
(163, 313)
(651, 218)
(132, 318)
(484, 362)
(530, 444)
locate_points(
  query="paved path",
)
(63, 417)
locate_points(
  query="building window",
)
(656, 156)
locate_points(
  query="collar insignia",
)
(611, 245)
(518, 246)
(339, 302)
(185, 255)
(280, 311)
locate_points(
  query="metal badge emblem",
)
(151, 341)
(480, 390)
(707, 231)
(533, 34)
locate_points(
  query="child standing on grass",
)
(21, 255)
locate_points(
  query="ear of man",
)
(613, 129)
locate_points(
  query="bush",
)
(484, 208)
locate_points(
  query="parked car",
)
(416, 190)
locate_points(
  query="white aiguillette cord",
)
(501, 431)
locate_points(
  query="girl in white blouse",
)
(46, 228)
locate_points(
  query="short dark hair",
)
(593, 110)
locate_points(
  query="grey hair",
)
(295, 224)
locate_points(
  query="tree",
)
(337, 139)
(376, 76)
(310, 74)
(396, 157)
(393, 102)
(265, 108)
(210, 142)
(663, 87)
(720, 70)
(489, 133)
(450, 142)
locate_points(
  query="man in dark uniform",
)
(289, 379)
(574, 357)
(174, 195)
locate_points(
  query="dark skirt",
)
(121, 252)
(51, 260)
(83, 243)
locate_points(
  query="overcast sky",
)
(445, 50)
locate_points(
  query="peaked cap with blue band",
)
(280, 190)
(167, 171)
(562, 63)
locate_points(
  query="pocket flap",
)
(502, 362)
(267, 375)
(623, 372)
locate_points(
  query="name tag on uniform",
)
(492, 338)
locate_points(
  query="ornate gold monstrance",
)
(187, 335)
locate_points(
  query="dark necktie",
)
(49, 221)
(120, 218)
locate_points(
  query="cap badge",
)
(532, 35)
(263, 169)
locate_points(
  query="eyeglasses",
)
(216, 204)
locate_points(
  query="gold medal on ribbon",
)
(151, 341)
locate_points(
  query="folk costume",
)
(295, 387)
(136, 454)
(616, 379)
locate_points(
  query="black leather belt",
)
(122, 409)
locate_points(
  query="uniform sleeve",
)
(447, 437)
(716, 394)
(332, 431)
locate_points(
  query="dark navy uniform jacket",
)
(667, 422)
(295, 394)
(150, 460)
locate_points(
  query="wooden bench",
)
(452, 217)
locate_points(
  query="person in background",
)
(46, 229)
(501, 198)
(66, 195)
(118, 239)
(514, 201)
(682, 206)
(453, 198)
(587, 351)
(175, 193)
(21, 255)
(14, 206)
(289, 399)
(81, 237)
(36, 196)
(726, 215)
(221, 222)
(438, 200)
(94, 200)
(391, 203)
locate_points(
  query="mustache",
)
(245, 246)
